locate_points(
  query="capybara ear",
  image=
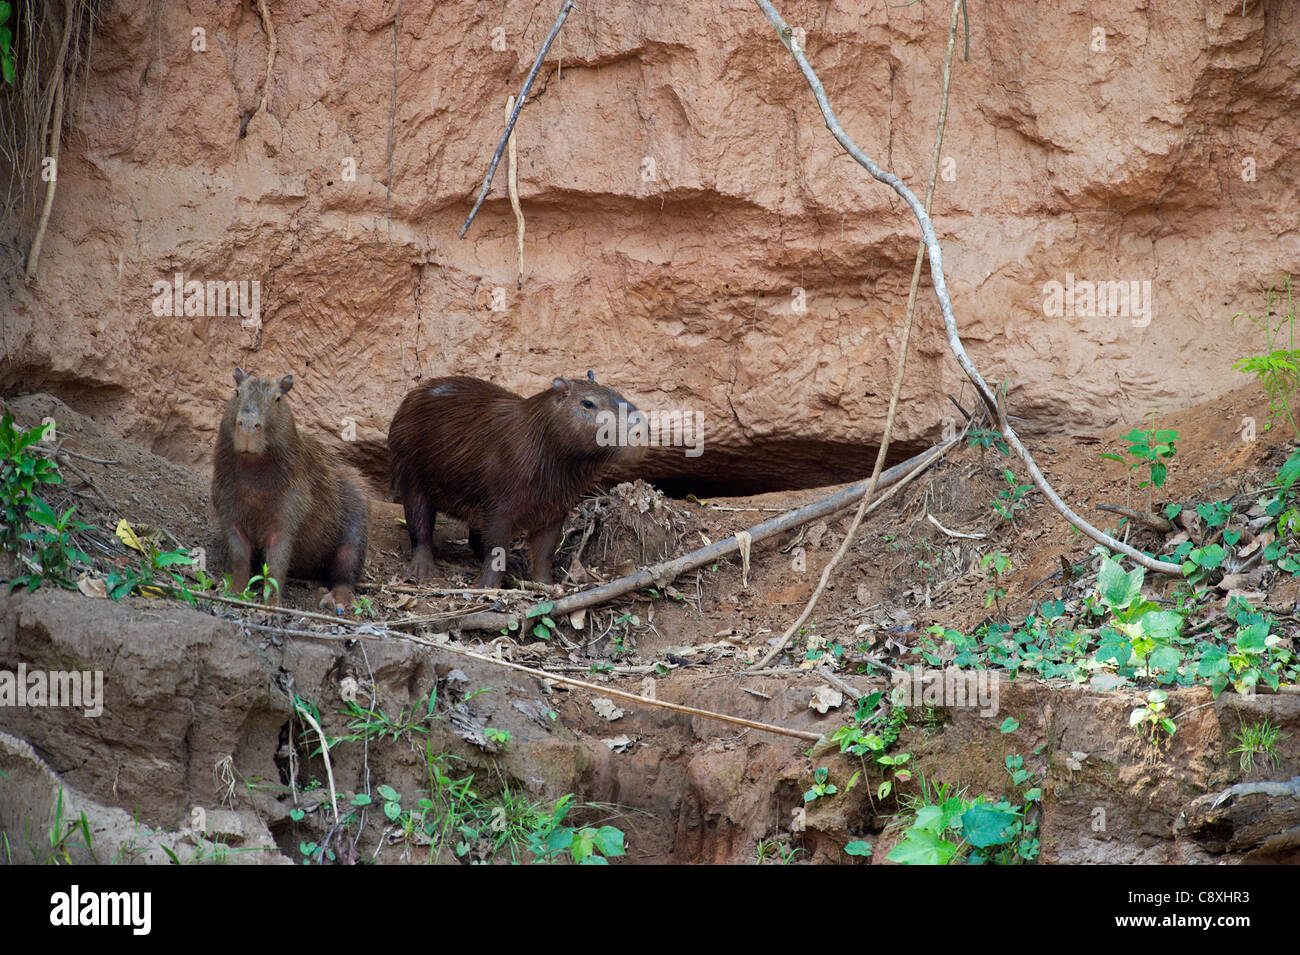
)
(591, 375)
(560, 387)
(240, 375)
(285, 384)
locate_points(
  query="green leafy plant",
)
(22, 472)
(1260, 741)
(371, 723)
(996, 564)
(985, 439)
(55, 552)
(876, 726)
(1139, 630)
(551, 839)
(821, 785)
(946, 827)
(1154, 449)
(1256, 654)
(26, 519)
(1011, 498)
(1277, 369)
(1149, 719)
(544, 629)
(263, 582)
(153, 576)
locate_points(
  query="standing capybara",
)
(281, 498)
(503, 463)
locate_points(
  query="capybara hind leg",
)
(541, 548)
(476, 543)
(240, 554)
(496, 546)
(420, 515)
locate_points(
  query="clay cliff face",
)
(694, 235)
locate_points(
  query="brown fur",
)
(500, 462)
(282, 499)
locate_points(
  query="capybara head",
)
(583, 416)
(261, 413)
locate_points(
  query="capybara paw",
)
(421, 568)
(337, 600)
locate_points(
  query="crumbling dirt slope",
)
(196, 702)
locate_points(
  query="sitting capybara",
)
(282, 499)
(503, 463)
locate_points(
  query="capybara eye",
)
(588, 403)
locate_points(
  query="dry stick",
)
(617, 694)
(945, 304)
(1156, 522)
(970, 537)
(514, 114)
(283, 611)
(325, 751)
(904, 347)
(662, 574)
(548, 675)
(55, 134)
(512, 187)
(265, 101)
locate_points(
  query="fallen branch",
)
(660, 575)
(1154, 521)
(514, 114)
(786, 34)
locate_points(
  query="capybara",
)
(503, 463)
(282, 499)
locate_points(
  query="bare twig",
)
(785, 33)
(514, 115)
(325, 752)
(969, 537)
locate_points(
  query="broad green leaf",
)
(984, 826)
(1116, 588)
(922, 848)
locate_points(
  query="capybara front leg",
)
(240, 552)
(279, 551)
(496, 546)
(541, 548)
